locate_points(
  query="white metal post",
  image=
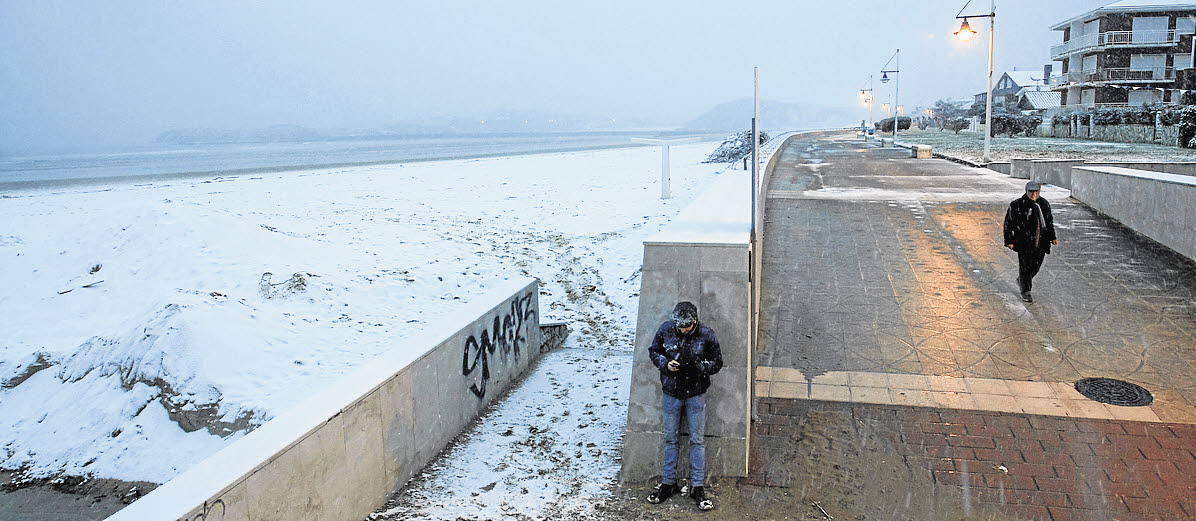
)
(871, 103)
(755, 141)
(664, 172)
(896, 96)
(665, 167)
(988, 102)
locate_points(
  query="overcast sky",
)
(94, 74)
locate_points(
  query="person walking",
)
(687, 354)
(1030, 231)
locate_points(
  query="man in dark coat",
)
(687, 354)
(1030, 231)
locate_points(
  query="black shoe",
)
(662, 492)
(1026, 297)
(699, 497)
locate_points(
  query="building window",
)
(1182, 61)
(1150, 29)
(1185, 25)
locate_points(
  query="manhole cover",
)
(1114, 392)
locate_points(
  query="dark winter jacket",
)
(1020, 221)
(698, 353)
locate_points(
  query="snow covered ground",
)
(148, 325)
(549, 450)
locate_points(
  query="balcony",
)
(1117, 75)
(1113, 39)
(1154, 74)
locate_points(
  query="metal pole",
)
(988, 102)
(664, 172)
(871, 103)
(755, 144)
(896, 97)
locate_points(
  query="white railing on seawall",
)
(340, 453)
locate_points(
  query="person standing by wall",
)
(687, 354)
(1030, 231)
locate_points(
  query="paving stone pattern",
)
(983, 464)
(878, 267)
(901, 284)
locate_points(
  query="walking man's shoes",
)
(1026, 297)
(662, 492)
(699, 497)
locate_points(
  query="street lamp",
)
(966, 33)
(895, 59)
(867, 98)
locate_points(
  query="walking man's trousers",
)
(1028, 263)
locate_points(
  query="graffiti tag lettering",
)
(206, 514)
(503, 338)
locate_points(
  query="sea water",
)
(239, 158)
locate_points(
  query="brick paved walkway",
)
(980, 464)
(901, 378)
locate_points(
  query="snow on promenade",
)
(131, 312)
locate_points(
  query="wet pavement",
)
(890, 311)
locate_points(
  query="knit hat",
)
(685, 314)
(1033, 186)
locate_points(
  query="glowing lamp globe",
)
(965, 31)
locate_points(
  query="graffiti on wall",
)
(208, 512)
(498, 344)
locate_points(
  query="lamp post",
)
(884, 78)
(966, 33)
(866, 95)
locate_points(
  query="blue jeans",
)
(695, 418)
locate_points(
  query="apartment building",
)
(1125, 53)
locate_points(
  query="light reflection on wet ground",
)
(876, 262)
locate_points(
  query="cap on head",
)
(1033, 186)
(685, 314)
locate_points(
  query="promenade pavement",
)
(899, 376)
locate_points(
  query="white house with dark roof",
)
(1124, 53)
(1008, 89)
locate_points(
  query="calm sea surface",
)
(238, 158)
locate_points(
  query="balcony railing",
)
(1119, 74)
(1115, 39)
(1128, 74)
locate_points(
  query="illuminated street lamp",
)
(867, 97)
(966, 33)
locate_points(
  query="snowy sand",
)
(178, 327)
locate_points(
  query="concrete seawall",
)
(338, 454)
(1158, 205)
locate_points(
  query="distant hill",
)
(774, 115)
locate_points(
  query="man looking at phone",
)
(687, 354)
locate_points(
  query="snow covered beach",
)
(143, 332)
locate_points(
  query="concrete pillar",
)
(1019, 168)
(715, 278)
(701, 257)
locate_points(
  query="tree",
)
(886, 125)
(956, 124)
(734, 148)
(944, 111)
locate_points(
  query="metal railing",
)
(1131, 74)
(1120, 74)
(1115, 39)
